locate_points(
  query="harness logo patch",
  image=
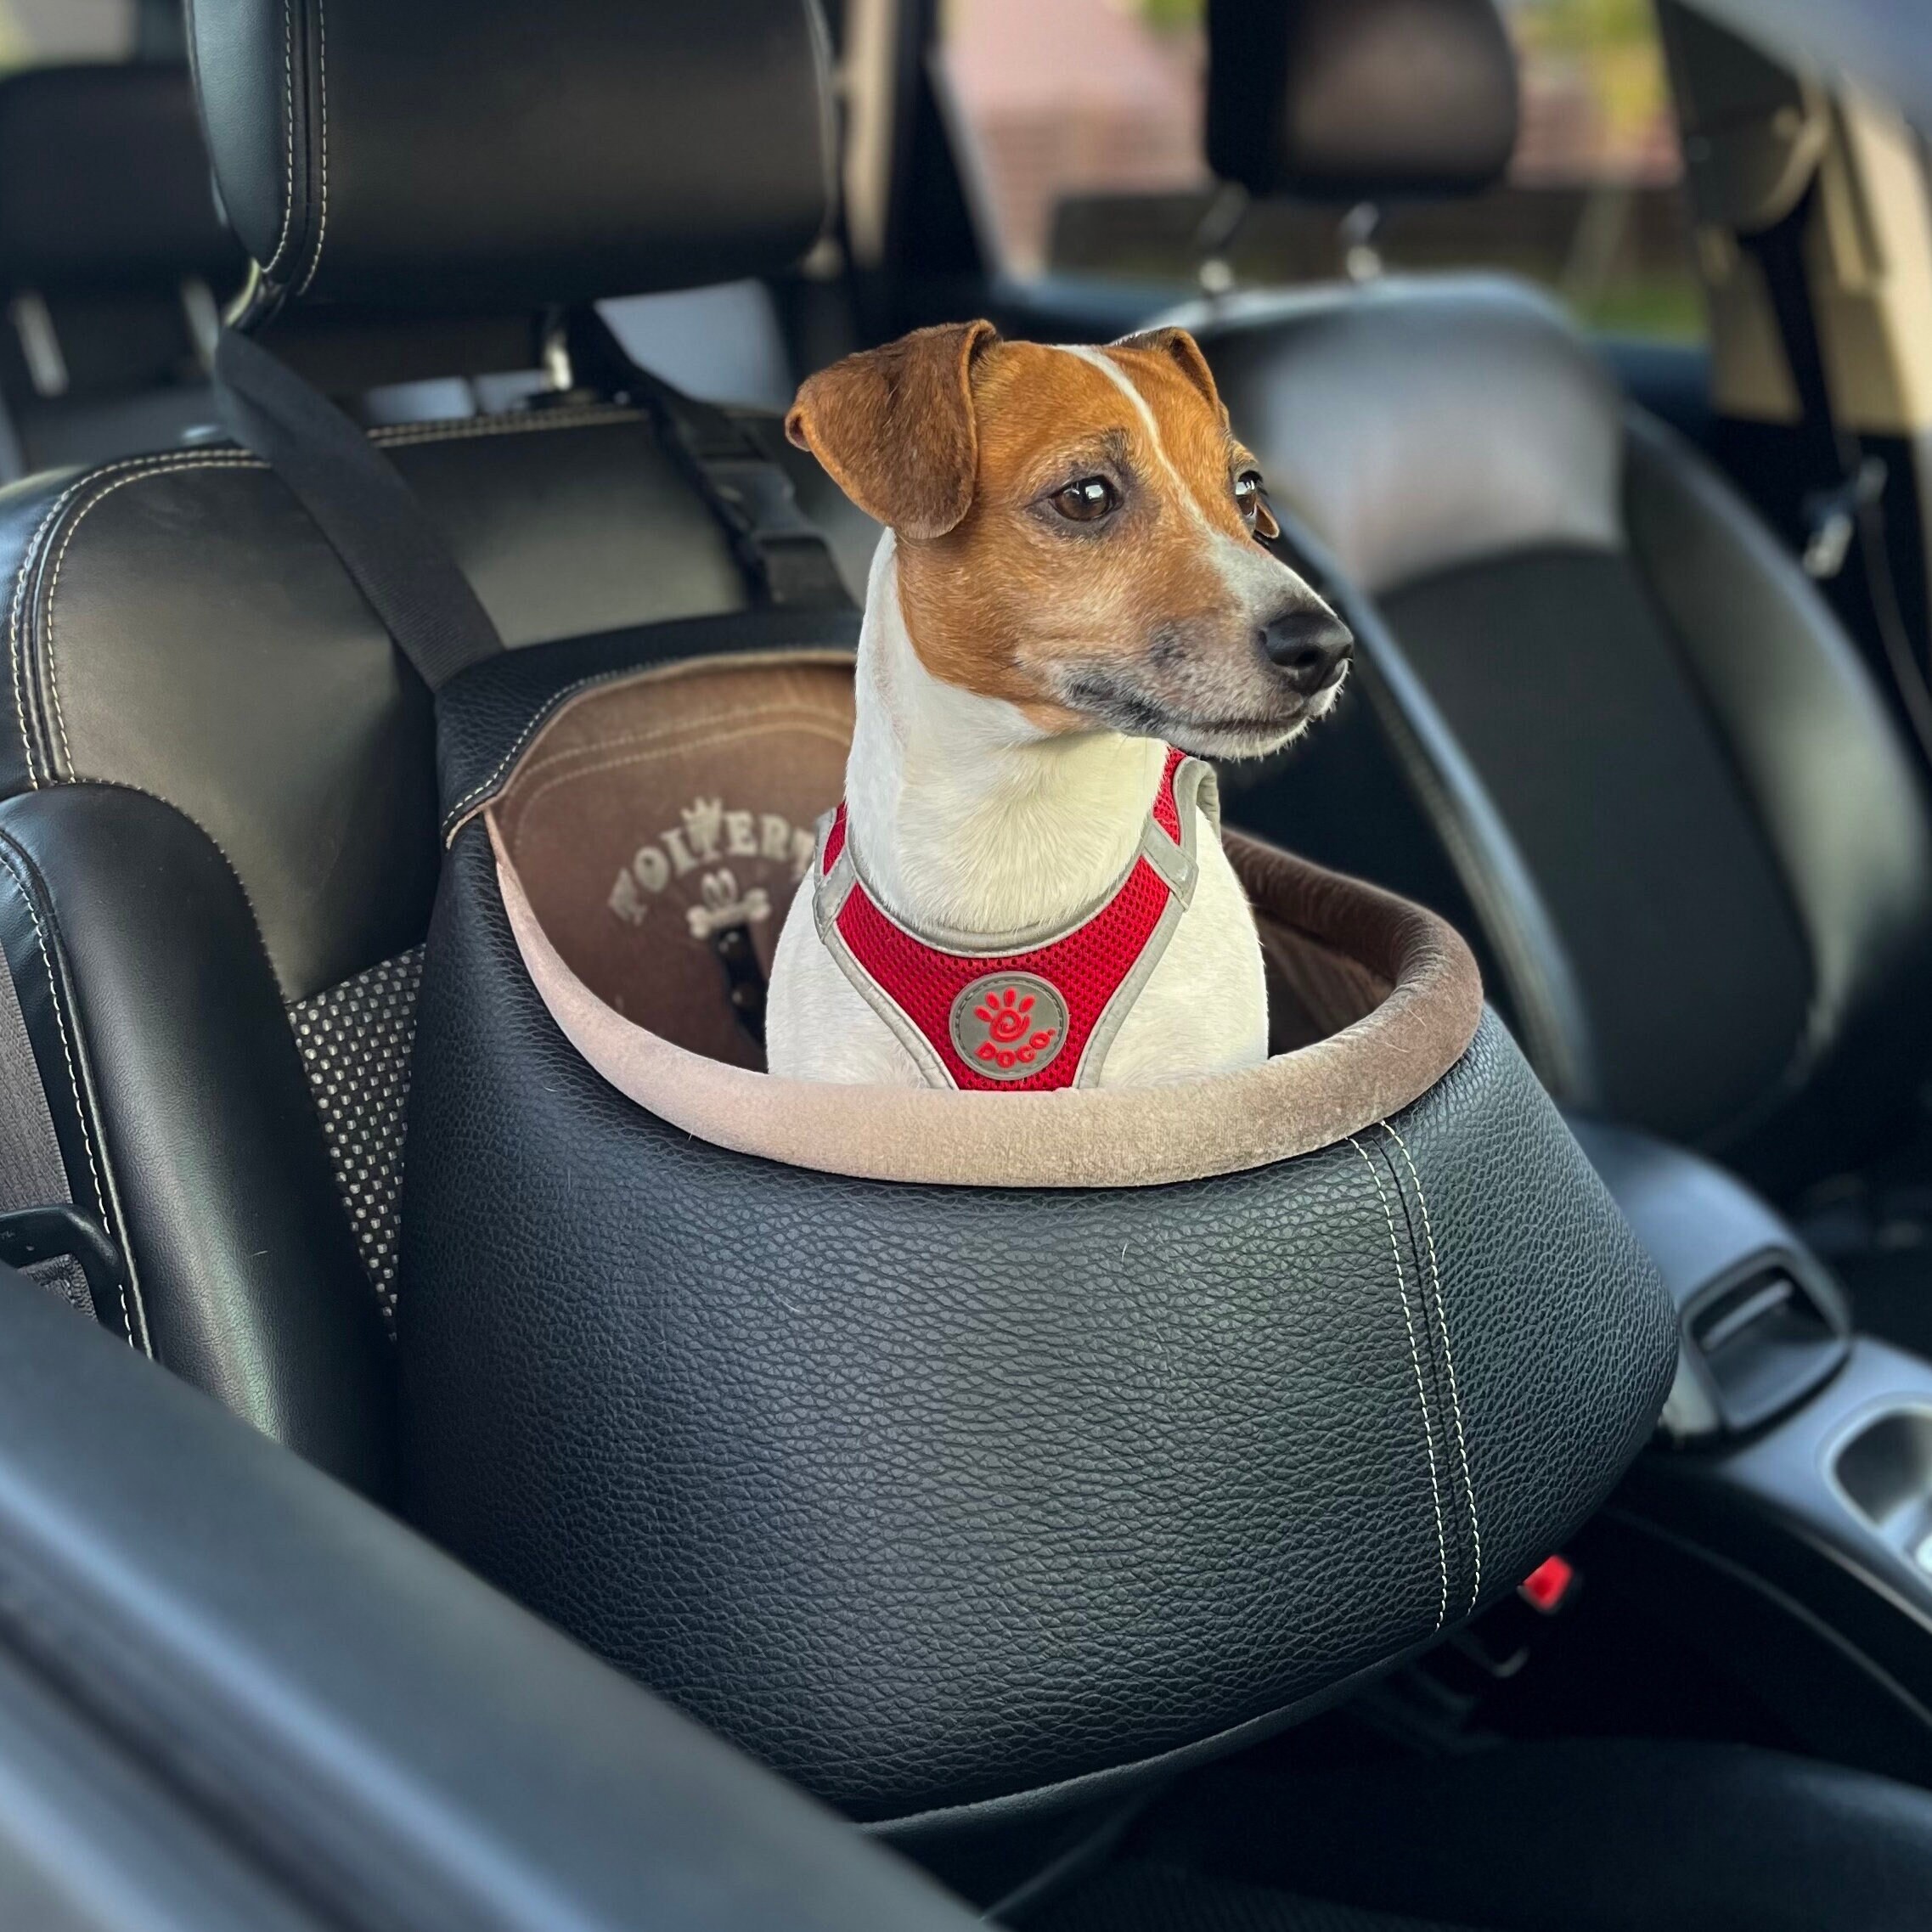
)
(1008, 1026)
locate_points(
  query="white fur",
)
(966, 817)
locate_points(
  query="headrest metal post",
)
(1362, 260)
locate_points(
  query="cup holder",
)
(1884, 1470)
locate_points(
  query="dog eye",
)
(1088, 500)
(1247, 494)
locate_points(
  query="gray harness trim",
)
(1196, 791)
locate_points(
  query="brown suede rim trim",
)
(1128, 1137)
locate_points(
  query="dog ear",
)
(893, 426)
(1185, 353)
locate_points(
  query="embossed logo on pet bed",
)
(712, 843)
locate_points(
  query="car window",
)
(1082, 122)
(37, 33)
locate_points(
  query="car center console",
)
(1784, 1517)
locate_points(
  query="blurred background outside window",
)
(39, 33)
(1083, 120)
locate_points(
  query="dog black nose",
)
(1311, 645)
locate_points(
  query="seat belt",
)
(371, 518)
(781, 553)
(1832, 511)
(397, 557)
(1850, 507)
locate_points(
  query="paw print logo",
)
(1007, 1026)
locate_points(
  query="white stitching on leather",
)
(144, 463)
(1416, 1363)
(169, 462)
(79, 1112)
(236, 460)
(583, 417)
(545, 710)
(221, 853)
(27, 556)
(452, 821)
(288, 135)
(1449, 1358)
(322, 91)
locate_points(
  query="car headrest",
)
(1360, 100)
(103, 182)
(481, 154)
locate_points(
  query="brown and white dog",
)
(1070, 585)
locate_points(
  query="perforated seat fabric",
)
(217, 848)
(217, 836)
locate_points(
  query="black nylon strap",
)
(1780, 251)
(369, 515)
(780, 554)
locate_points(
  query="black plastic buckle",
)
(59, 1232)
(787, 548)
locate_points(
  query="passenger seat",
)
(1726, 832)
(113, 262)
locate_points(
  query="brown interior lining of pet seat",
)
(651, 812)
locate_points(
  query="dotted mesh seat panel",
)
(354, 1040)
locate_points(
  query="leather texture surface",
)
(177, 623)
(454, 155)
(103, 182)
(1360, 100)
(1421, 423)
(1385, 791)
(294, 1666)
(185, 1120)
(929, 1496)
(1603, 1835)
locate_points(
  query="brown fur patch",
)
(894, 426)
(989, 602)
(1149, 619)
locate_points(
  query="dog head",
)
(1078, 533)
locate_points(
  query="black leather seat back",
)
(1710, 798)
(113, 260)
(218, 833)
(445, 156)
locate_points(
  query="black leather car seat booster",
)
(942, 1446)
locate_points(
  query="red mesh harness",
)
(1038, 1011)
